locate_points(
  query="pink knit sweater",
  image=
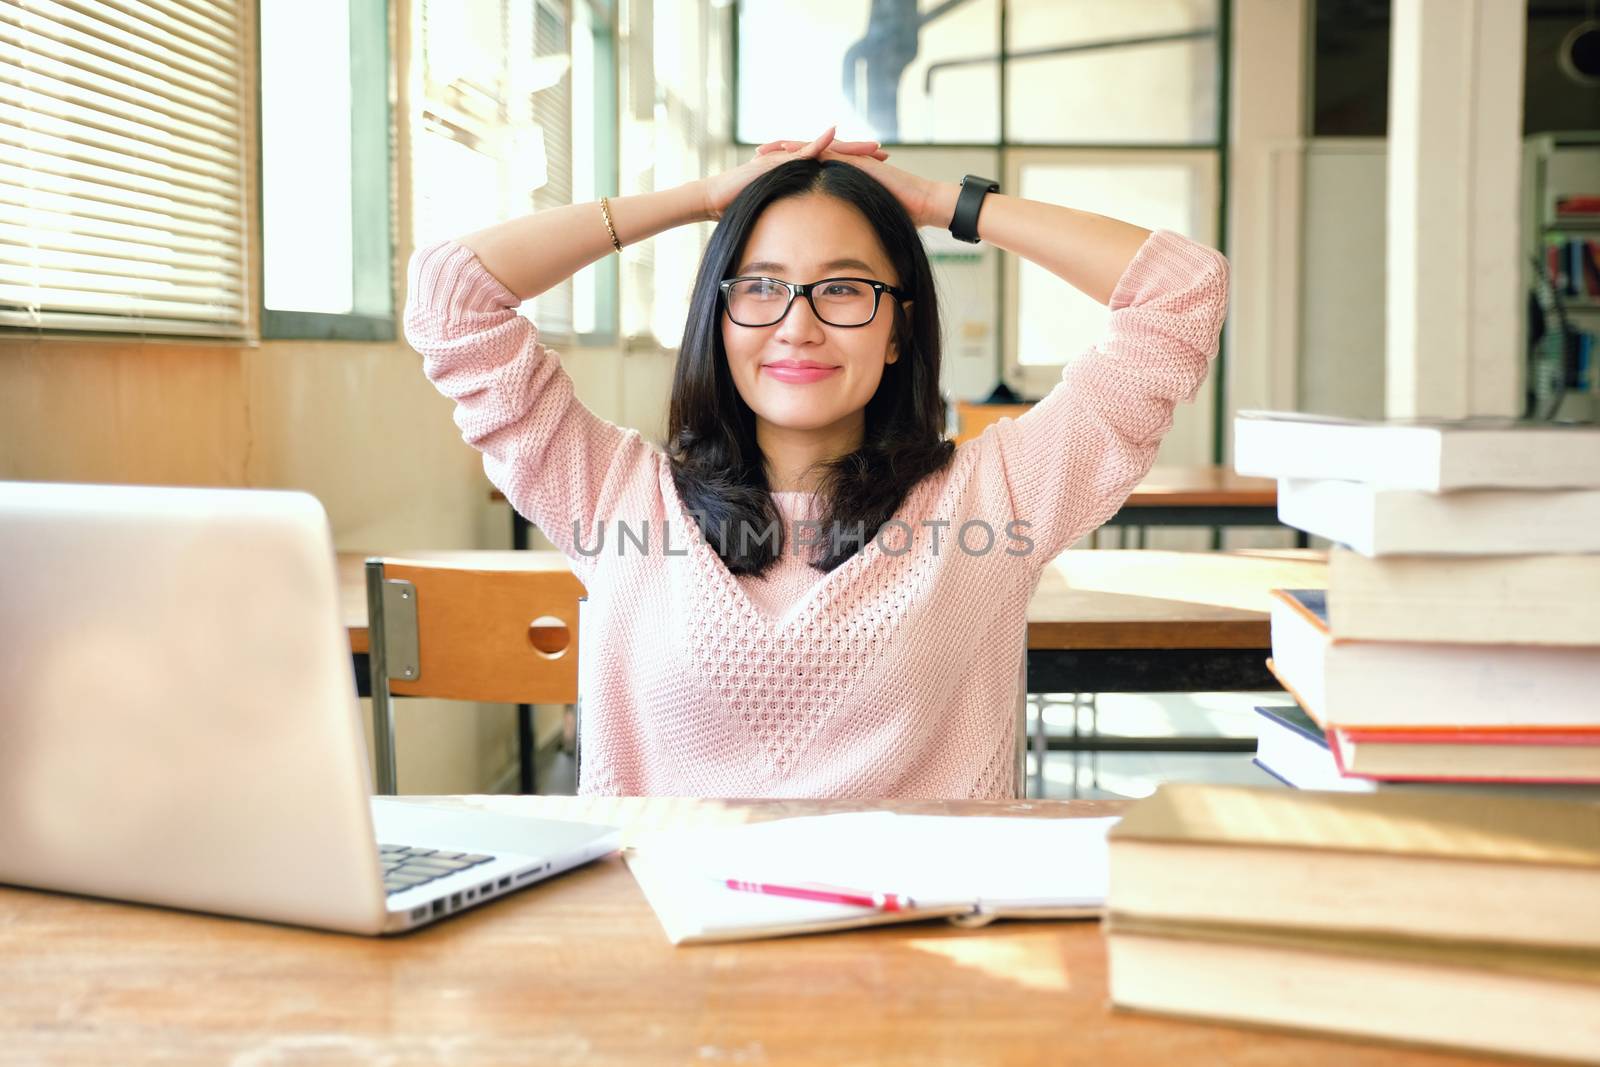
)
(895, 675)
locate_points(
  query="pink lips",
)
(799, 372)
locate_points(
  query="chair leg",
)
(383, 757)
(385, 779)
(1041, 749)
(525, 750)
(1020, 771)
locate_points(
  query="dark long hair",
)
(717, 466)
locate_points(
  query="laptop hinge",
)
(400, 630)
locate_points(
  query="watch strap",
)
(964, 224)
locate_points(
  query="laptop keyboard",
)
(405, 867)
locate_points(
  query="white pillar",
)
(1267, 148)
(1455, 150)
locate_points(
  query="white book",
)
(1432, 455)
(1533, 600)
(1293, 748)
(970, 869)
(1390, 684)
(1389, 522)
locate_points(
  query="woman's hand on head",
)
(915, 194)
(721, 189)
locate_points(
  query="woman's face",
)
(804, 239)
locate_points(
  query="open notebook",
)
(969, 869)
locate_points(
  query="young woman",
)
(809, 591)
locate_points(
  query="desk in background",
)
(1110, 621)
(1203, 495)
(576, 970)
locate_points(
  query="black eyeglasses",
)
(836, 301)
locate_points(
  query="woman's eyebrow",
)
(835, 264)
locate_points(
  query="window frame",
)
(602, 23)
(1037, 379)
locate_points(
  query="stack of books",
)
(1459, 637)
(1462, 919)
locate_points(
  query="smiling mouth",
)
(798, 374)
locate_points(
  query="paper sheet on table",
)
(948, 865)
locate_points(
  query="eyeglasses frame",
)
(799, 289)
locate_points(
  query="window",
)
(1157, 189)
(594, 158)
(675, 128)
(500, 88)
(121, 169)
(1105, 105)
(1111, 72)
(1073, 71)
(897, 76)
(326, 252)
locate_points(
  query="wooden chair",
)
(455, 632)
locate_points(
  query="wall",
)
(1342, 272)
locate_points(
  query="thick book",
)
(967, 869)
(1467, 755)
(1528, 600)
(1454, 865)
(1487, 522)
(1395, 684)
(1293, 748)
(1476, 995)
(1432, 455)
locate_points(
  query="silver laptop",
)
(179, 722)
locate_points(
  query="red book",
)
(1578, 205)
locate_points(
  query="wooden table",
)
(577, 971)
(1204, 495)
(1100, 621)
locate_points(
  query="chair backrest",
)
(458, 632)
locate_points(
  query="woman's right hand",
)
(719, 190)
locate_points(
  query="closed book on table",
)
(1530, 600)
(1484, 997)
(1455, 865)
(1364, 683)
(1444, 754)
(1433, 455)
(1393, 522)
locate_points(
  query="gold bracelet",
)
(605, 210)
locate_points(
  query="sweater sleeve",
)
(552, 457)
(1072, 459)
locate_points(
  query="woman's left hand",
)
(915, 194)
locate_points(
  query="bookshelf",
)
(1558, 166)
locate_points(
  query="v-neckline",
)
(806, 604)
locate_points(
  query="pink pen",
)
(826, 894)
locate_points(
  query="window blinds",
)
(121, 166)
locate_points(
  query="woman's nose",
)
(800, 322)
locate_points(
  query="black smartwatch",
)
(964, 224)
